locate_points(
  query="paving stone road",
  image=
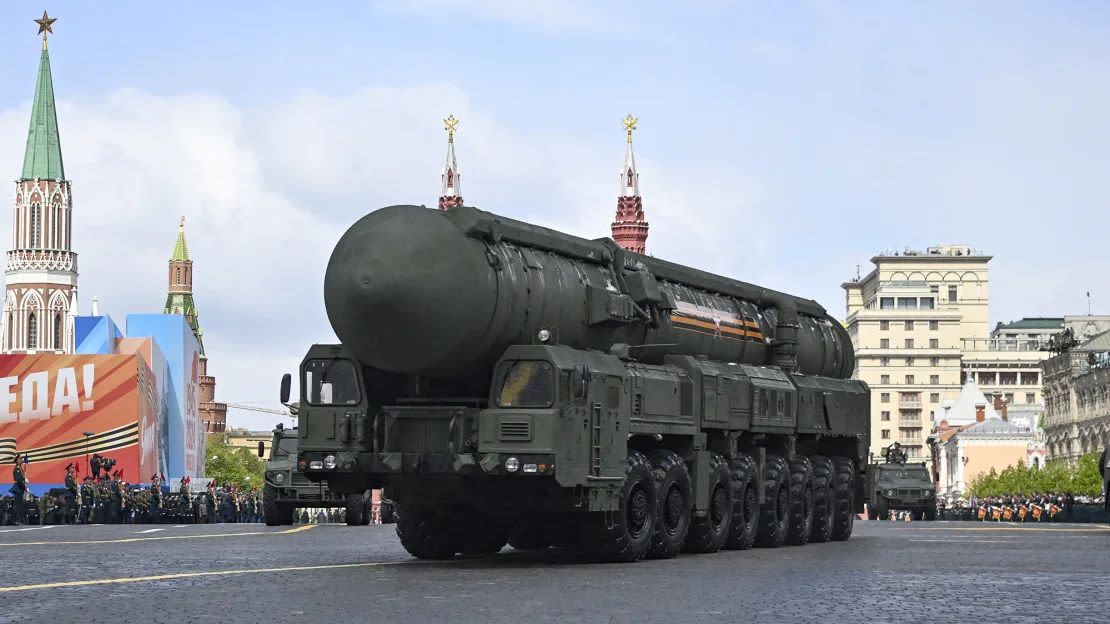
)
(888, 572)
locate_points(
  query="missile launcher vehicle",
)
(507, 383)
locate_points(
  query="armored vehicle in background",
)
(897, 485)
(507, 383)
(286, 488)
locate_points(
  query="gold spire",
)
(449, 125)
(46, 24)
(629, 125)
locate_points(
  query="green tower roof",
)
(180, 249)
(43, 158)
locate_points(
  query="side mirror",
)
(261, 448)
(286, 383)
(580, 379)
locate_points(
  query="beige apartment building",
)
(919, 322)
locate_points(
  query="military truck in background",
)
(286, 488)
(898, 485)
(507, 383)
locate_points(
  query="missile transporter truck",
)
(286, 488)
(898, 485)
(507, 383)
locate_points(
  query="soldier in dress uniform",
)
(73, 496)
(210, 501)
(154, 508)
(185, 502)
(87, 496)
(19, 489)
(116, 513)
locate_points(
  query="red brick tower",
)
(630, 231)
(451, 193)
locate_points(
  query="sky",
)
(779, 143)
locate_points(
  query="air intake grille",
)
(516, 431)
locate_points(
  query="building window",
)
(884, 416)
(926, 303)
(1009, 398)
(884, 379)
(1030, 397)
(177, 279)
(884, 343)
(934, 397)
(909, 380)
(1029, 379)
(884, 361)
(884, 325)
(886, 434)
(934, 379)
(951, 294)
(934, 343)
(36, 225)
(934, 361)
(934, 325)
(909, 325)
(58, 330)
(907, 303)
(909, 343)
(886, 303)
(884, 397)
(909, 361)
(32, 331)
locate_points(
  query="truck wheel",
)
(355, 508)
(425, 534)
(708, 533)
(625, 534)
(531, 535)
(673, 502)
(872, 513)
(844, 480)
(824, 500)
(774, 516)
(745, 505)
(801, 501)
(930, 513)
(483, 537)
(274, 513)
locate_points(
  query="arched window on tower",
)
(32, 331)
(58, 330)
(11, 330)
(36, 225)
(177, 280)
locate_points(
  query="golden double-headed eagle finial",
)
(629, 125)
(449, 124)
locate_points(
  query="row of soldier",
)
(1051, 507)
(103, 498)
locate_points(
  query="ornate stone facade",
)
(1077, 400)
(40, 301)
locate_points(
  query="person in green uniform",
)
(73, 496)
(154, 509)
(87, 496)
(115, 516)
(210, 500)
(19, 489)
(184, 502)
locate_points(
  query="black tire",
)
(709, 533)
(774, 516)
(824, 499)
(745, 505)
(274, 513)
(801, 501)
(387, 512)
(531, 535)
(844, 473)
(356, 507)
(426, 533)
(484, 537)
(673, 504)
(625, 534)
(872, 512)
(930, 513)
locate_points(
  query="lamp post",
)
(87, 435)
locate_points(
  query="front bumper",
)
(398, 463)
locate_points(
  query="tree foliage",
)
(1081, 478)
(229, 465)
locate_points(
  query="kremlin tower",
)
(40, 299)
(180, 301)
(451, 193)
(630, 231)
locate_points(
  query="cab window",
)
(331, 382)
(526, 383)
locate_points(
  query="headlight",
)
(529, 468)
(279, 477)
(891, 493)
(930, 493)
(316, 465)
(329, 462)
(544, 335)
(512, 464)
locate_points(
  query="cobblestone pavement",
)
(930, 572)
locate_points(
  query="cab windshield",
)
(526, 383)
(331, 382)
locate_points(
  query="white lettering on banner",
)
(37, 402)
(6, 399)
